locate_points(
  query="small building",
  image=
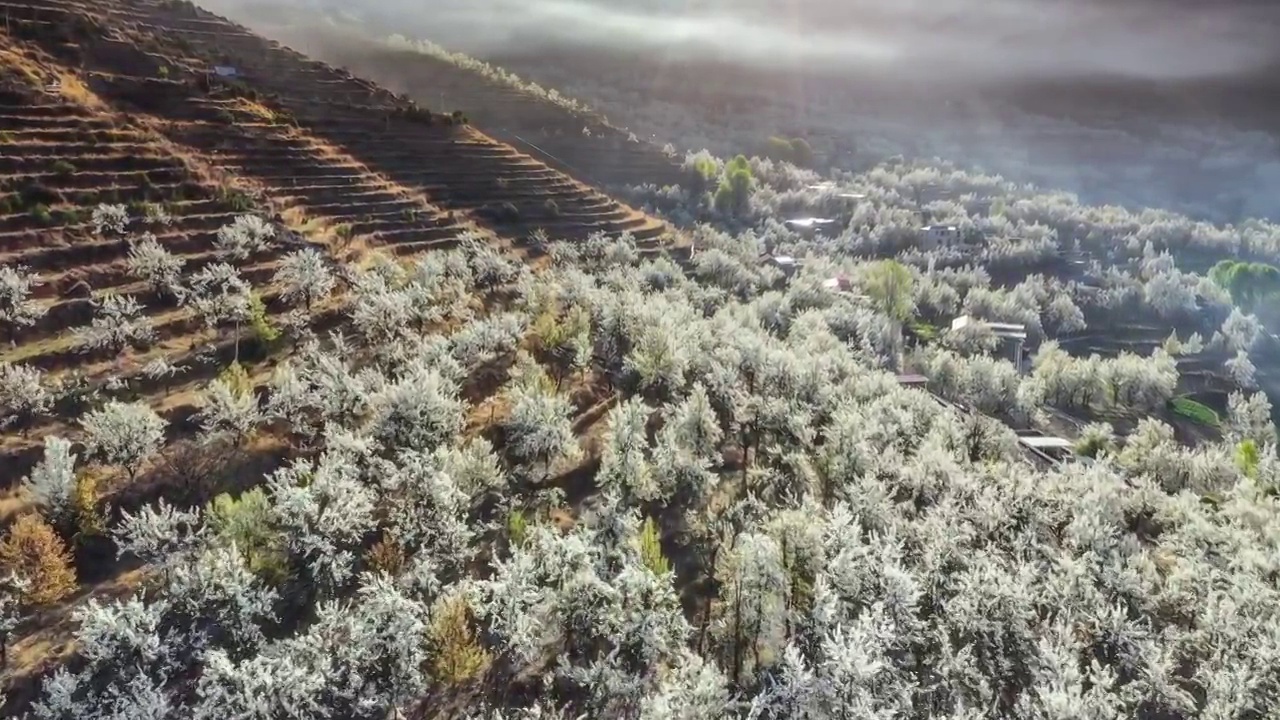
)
(838, 284)
(843, 286)
(830, 187)
(1055, 449)
(808, 226)
(939, 236)
(1013, 336)
(226, 71)
(1003, 330)
(913, 380)
(787, 264)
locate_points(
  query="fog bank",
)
(996, 40)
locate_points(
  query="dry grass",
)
(74, 90)
(19, 62)
(47, 638)
(256, 109)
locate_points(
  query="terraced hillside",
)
(117, 104)
(149, 53)
(579, 142)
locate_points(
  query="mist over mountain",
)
(1160, 102)
(974, 39)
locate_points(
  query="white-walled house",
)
(787, 264)
(1013, 337)
(936, 236)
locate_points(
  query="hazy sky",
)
(1022, 38)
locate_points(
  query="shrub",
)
(505, 212)
(40, 213)
(237, 379)
(235, 199)
(386, 555)
(734, 194)
(517, 527)
(458, 656)
(62, 169)
(923, 330)
(71, 216)
(1095, 440)
(1249, 283)
(1248, 457)
(264, 331)
(795, 151)
(651, 549)
(248, 522)
(33, 552)
(84, 501)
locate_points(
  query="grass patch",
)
(42, 215)
(19, 62)
(1194, 411)
(923, 330)
(257, 110)
(72, 215)
(234, 199)
(76, 91)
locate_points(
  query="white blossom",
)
(246, 235)
(123, 434)
(228, 412)
(1241, 370)
(52, 482)
(17, 308)
(150, 262)
(118, 322)
(110, 218)
(305, 276)
(538, 430)
(23, 392)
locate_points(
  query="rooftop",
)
(1044, 442)
(809, 222)
(824, 186)
(1004, 330)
